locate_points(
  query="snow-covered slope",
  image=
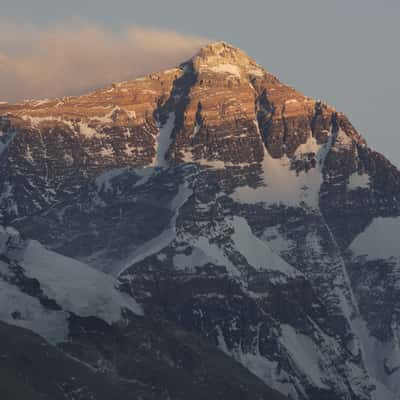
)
(40, 289)
(380, 240)
(223, 201)
(374, 262)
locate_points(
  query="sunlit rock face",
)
(230, 205)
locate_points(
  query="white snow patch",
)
(226, 69)
(276, 241)
(221, 341)
(256, 71)
(358, 181)
(375, 356)
(197, 257)
(213, 164)
(38, 103)
(310, 146)
(75, 286)
(107, 118)
(107, 151)
(380, 240)
(196, 130)
(145, 174)
(88, 131)
(257, 253)
(36, 121)
(163, 141)
(343, 141)
(28, 154)
(282, 185)
(104, 180)
(268, 371)
(285, 186)
(52, 325)
(304, 353)
(215, 255)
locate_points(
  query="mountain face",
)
(214, 210)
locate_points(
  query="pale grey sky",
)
(345, 52)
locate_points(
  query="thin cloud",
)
(72, 59)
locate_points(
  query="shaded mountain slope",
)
(230, 205)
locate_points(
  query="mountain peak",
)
(223, 57)
(219, 48)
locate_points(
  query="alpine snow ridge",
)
(238, 214)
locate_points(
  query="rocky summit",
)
(203, 232)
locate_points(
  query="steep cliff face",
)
(229, 204)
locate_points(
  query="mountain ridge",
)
(118, 126)
(229, 204)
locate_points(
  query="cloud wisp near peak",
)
(70, 59)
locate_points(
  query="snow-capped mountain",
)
(219, 200)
